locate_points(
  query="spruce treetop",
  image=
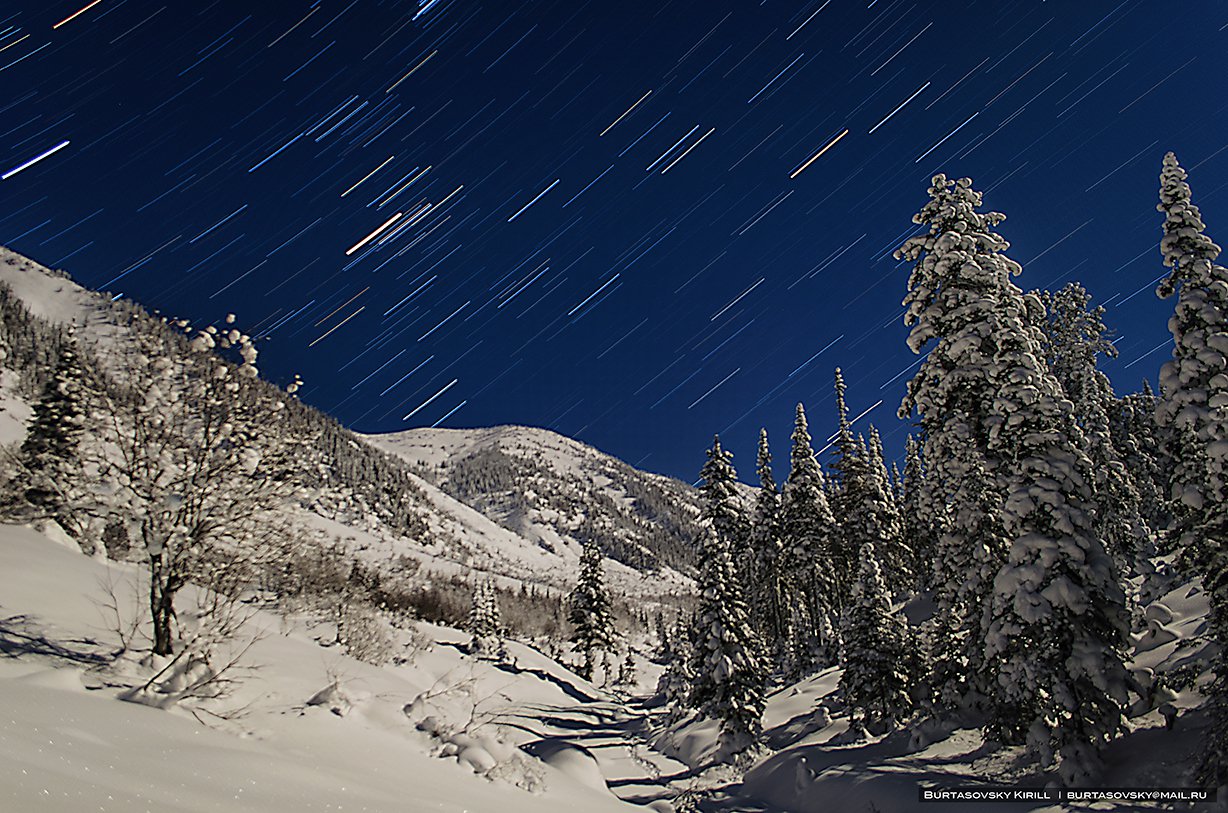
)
(1187, 251)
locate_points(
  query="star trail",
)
(633, 223)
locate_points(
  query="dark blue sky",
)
(598, 222)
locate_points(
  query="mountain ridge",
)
(448, 535)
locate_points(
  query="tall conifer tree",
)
(1194, 409)
(1053, 622)
(1074, 341)
(590, 614)
(51, 468)
(876, 679)
(815, 580)
(767, 588)
(729, 673)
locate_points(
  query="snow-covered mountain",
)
(451, 501)
(557, 492)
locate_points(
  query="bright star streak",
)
(671, 149)
(585, 189)
(450, 414)
(445, 319)
(368, 175)
(945, 137)
(624, 115)
(374, 234)
(808, 19)
(535, 200)
(709, 392)
(420, 406)
(341, 306)
(830, 144)
(897, 110)
(832, 439)
(774, 78)
(72, 17)
(688, 150)
(737, 299)
(411, 73)
(34, 160)
(339, 324)
(593, 294)
(815, 356)
(276, 153)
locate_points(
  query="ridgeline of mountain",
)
(510, 508)
(557, 492)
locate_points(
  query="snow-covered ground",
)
(69, 743)
(314, 729)
(562, 485)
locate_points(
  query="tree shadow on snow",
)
(787, 733)
(20, 637)
(567, 688)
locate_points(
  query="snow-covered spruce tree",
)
(844, 467)
(951, 392)
(190, 457)
(1143, 447)
(626, 671)
(812, 581)
(1194, 384)
(590, 614)
(920, 519)
(1057, 621)
(484, 624)
(766, 590)
(50, 470)
(969, 550)
(1074, 340)
(727, 664)
(864, 511)
(1194, 409)
(950, 303)
(888, 481)
(1055, 628)
(876, 677)
(674, 685)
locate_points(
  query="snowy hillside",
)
(557, 492)
(308, 729)
(311, 728)
(445, 534)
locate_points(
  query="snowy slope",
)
(458, 538)
(817, 768)
(47, 294)
(66, 747)
(556, 492)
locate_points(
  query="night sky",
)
(633, 223)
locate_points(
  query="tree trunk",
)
(586, 671)
(161, 608)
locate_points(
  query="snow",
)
(56, 299)
(14, 411)
(539, 543)
(64, 747)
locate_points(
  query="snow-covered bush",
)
(364, 634)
